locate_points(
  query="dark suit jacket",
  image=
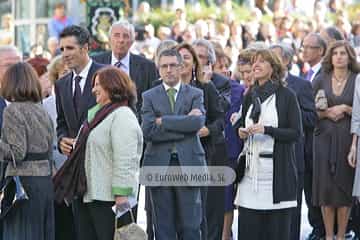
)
(142, 72)
(68, 124)
(177, 128)
(2, 107)
(304, 94)
(222, 84)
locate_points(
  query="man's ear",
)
(86, 47)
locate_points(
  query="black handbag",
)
(12, 193)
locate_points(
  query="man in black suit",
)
(73, 99)
(212, 224)
(304, 94)
(141, 70)
(314, 48)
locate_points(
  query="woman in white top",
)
(271, 125)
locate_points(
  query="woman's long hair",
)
(197, 72)
(278, 73)
(327, 64)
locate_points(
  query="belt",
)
(266, 155)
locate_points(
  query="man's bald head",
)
(9, 55)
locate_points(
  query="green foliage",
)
(166, 16)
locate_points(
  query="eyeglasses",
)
(167, 66)
(309, 47)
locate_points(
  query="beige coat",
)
(112, 159)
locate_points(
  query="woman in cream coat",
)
(112, 157)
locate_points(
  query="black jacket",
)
(305, 97)
(285, 136)
(68, 124)
(223, 85)
(142, 71)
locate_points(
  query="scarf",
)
(259, 95)
(70, 180)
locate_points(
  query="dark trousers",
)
(64, 222)
(203, 226)
(176, 210)
(296, 214)
(215, 204)
(264, 224)
(314, 213)
(97, 220)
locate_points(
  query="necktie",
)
(309, 74)
(77, 95)
(118, 64)
(171, 94)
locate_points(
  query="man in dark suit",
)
(304, 94)
(73, 99)
(215, 202)
(314, 48)
(141, 70)
(173, 113)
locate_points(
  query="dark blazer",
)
(177, 128)
(305, 97)
(214, 115)
(285, 136)
(68, 124)
(2, 107)
(142, 71)
(233, 142)
(222, 84)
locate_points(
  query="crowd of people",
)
(277, 103)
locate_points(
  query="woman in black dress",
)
(333, 177)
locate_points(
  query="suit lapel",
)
(134, 71)
(87, 93)
(164, 99)
(68, 98)
(108, 58)
(179, 99)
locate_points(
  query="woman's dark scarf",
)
(259, 94)
(70, 180)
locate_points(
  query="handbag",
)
(321, 100)
(131, 231)
(12, 193)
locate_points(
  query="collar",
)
(316, 68)
(177, 86)
(84, 73)
(125, 60)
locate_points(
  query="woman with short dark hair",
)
(270, 125)
(27, 135)
(107, 152)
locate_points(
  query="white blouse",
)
(255, 191)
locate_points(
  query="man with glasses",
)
(172, 114)
(314, 47)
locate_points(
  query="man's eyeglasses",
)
(167, 66)
(309, 47)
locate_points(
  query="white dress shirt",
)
(177, 88)
(83, 74)
(315, 69)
